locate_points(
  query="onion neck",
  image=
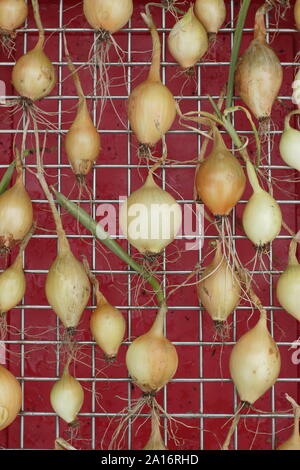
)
(293, 261)
(219, 143)
(252, 176)
(259, 26)
(150, 180)
(37, 17)
(157, 328)
(154, 73)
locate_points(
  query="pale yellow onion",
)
(155, 441)
(67, 397)
(13, 13)
(218, 288)
(150, 218)
(211, 13)
(151, 105)
(297, 14)
(151, 359)
(259, 73)
(288, 286)
(262, 218)
(255, 362)
(67, 287)
(10, 398)
(12, 286)
(33, 75)
(109, 15)
(108, 327)
(187, 41)
(82, 142)
(293, 442)
(290, 144)
(16, 214)
(296, 89)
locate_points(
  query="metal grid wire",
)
(201, 415)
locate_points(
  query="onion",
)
(67, 397)
(13, 280)
(109, 15)
(187, 40)
(290, 144)
(297, 14)
(288, 286)
(255, 362)
(13, 13)
(33, 75)
(259, 74)
(296, 88)
(150, 218)
(151, 359)
(293, 442)
(67, 286)
(219, 289)
(151, 106)
(16, 214)
(262, 216)
(155, 441)
(82, 140)
(107, 325)
(212, 14)
(10, 398)
(220, 179)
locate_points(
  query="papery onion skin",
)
(188, 41)
(33, 75)
(152, 359)
(211, 13)
(12, 286)
(13, 13)
(255, 362)
(110, 15)
(218, 288)
(67, 288)
(288, 286)
(10, 398)
(259, 73)
(142, 210)
(67, 398)
(108, 328)
(82, 143)
(297, 14)
(16, 214)
(220, 179)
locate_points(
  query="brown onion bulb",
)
(16, 214)
(10, 398)
(109, 15)
(220, 179)
(211, 13)
(151, 359)
(259, 73)
(13, 13)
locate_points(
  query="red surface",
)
(182, 325)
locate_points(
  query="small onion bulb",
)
(12, 286)
(150, 218)
(290, 144)
(16, 214)
(151, 105)
(108, 327)
(296, 89)
(67, 287)
(293, 442)
(188, 40)
(262, 218)
(220, 179)
(218, 288)
(212, 14)
(13, 13)
(67, 398)
(10, 398)
(109, 15)
(255, 362)
(288, 286)
(259, 73)
(151, 359)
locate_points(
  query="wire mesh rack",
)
(201, 396)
